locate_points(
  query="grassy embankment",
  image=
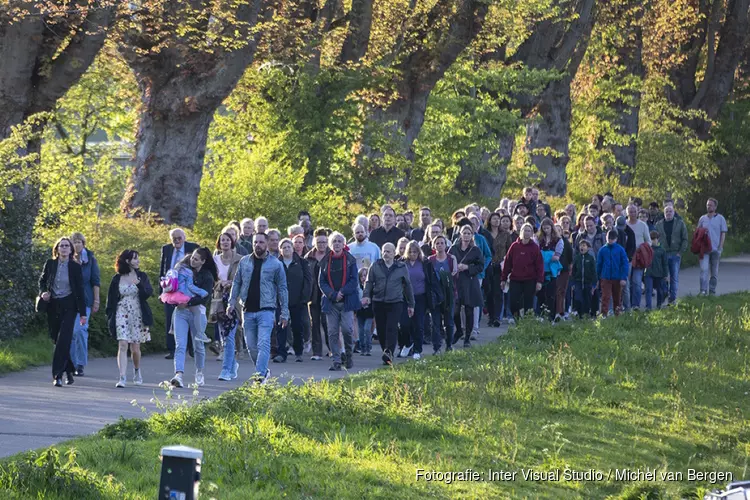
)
(666, 390)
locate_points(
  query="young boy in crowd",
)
(584, 279)
(656, 272)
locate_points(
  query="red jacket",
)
(701, 243)
(524, 262)
(644, 255)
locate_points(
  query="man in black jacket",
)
(388, 232)
(171, 254)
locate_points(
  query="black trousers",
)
(522, 296)
(493, 292)
(61, 318)
(469, 316)
(296, 313)
(387, 316)
(318, 321)
(168, 312)
(546, 298)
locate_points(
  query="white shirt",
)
(222, 270)
(365, 251)
(640, 229)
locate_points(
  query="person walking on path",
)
(641, 232)
(388, 232)
(470, 265)
(61, 288)
(299, 284)
(388, 288)
(79, 347)
(445, 266)
(500, 239)
(204, 276)
(365, 317)
(227, 262)
(524, 269)
(717, 232)
(612, 270)
(673, 236)
(171, 254)
(551, 246)
(318, 319)
(260, 287)
(584, 279)
(566, 261)
(365, 251)
(129, 317)
(656, 272)
(427, 296)
(339, 286)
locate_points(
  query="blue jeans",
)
(636, 278)
(79, 346)
(258, 327)
(652, 282)
(182, 319)
(365, 333)
(442, 317)
(228, 341)
(674, 275)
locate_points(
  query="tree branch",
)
(358, 35)
(75, 59)
(579, 28)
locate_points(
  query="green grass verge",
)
(665, 390)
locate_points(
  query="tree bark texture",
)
(442, 35)
(181, 87)
(41, 56)
(722, 59)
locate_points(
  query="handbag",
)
(41, 305)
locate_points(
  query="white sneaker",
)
(512, 321)
(265, 378)
(474, 334)
(308, 347)
(315, 358)
(405, 351)
(177, 380)
(137, 378)
(201, 337)
(200, 380)
(417, 356)
(121, 383)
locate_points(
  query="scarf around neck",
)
(331, 256)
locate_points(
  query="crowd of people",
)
(274, 294)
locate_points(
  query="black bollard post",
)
(180, 473)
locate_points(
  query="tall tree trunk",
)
(548, 137)
(182, 85)
(488, 178)
(42, 54)
(169, 155)
(626, 109)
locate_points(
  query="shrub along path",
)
(34, 414)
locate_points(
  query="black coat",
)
(75, 275)
(166, 255)
(145, 290)
(433, 292)
(298, 280)
(467, 284)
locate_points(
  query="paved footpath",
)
(34, 414)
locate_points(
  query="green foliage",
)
(46, 475)
(576, 395)
(81, 170)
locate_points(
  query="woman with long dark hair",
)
(205, 275)
(129, 316)
(61, 288)
(552, 248)
(227, 262)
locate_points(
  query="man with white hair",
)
(339, 285)
(261, 225)
(171, 254)
(247, 226)
(365, 251)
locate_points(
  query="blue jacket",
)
(273, 288)
(350, 289)
(91, 277)
(612, 263)
(484, 247)
(551, 268)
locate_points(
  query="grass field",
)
(666, 390)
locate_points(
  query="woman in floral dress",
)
(128, 314)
